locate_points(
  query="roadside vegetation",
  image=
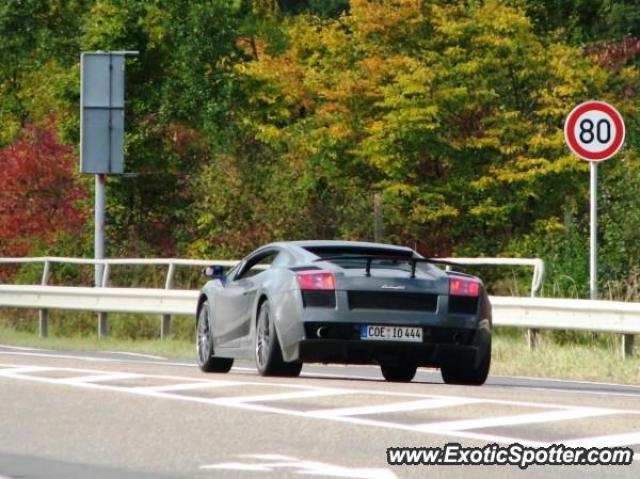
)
(581, 358)
(250, 121)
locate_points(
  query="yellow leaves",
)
(153, 25)
(567, 162)
(479, 142)
(486, 24)
(422, 206)
(390, 20)
(491, 211)
(471, 89)
(339, 131)
(526, 169)
(331, 108)
(469, 68)
(546, 141)
(400, 189)
(268, 133)
(422, 213)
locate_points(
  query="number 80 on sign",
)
(594, 131)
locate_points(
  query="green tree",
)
(583, 21)
(454, 112)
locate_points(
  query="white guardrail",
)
(521, 312)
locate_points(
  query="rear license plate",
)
(390, 333)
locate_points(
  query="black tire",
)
(398, 372)
(268, 354)
(470, 376)
(207, 362)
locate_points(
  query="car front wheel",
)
(204, 345)
(269, 361)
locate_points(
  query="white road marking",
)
(239, 466)
(302, 467)
(243, 402)
(518, 419)
(12, 371)
(94, 378)
(566, 381)
(137, 355)
(396, 407)
(187, 386)
(23, 348)
(308, 374)
(627, 439)
(268, 457)
(192, 365)
(61, 356)
(285, 396)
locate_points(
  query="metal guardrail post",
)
(43, 315)
(43, 323)
(103, 322)
(533, 336)
(165, 319)
(628, 345)
(533, 339)
(103, 326)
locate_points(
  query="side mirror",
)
(214, 272)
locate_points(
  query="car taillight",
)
(464, 287)
(316, 280)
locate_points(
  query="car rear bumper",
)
(376, 352)
(446, 335)
(341, 343)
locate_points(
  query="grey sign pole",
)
(101, 137)
(98, 245)
(98, 239)
(593, 234)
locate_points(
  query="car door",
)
(234, 302)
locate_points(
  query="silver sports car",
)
(344, 302)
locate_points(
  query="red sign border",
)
(570, 123)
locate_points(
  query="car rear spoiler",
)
(371, 258)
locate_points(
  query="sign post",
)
(593, 231)
(101, 137)
(594, 131)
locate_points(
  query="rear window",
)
(354, 263)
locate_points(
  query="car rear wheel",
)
(464, 374)
(269, 361)
(204, 345)
(398, 372)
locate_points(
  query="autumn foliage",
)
(38, 192)
(250, 121)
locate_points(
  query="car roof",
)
(300, 246)
(346, 244)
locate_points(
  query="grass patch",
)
(175, 348)
(580, 357)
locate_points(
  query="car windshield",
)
(334, 255)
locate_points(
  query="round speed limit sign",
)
(594, 131)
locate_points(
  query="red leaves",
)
(615, 55)
(38, 191)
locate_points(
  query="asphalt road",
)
(114, 415)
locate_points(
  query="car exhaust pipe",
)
(322, 332)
